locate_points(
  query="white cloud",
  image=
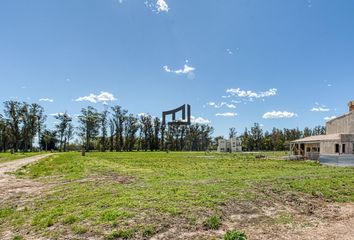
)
(102, 97)
(229, 51)
(143, 114)
(157, 6)
(237, 92)
(58, 114)
(228, 105)
(161, 6)
(46, 100)
(226, 114)
(279, 114)
(320, 109)
(200, 120)
(185, 70)
(329, 118)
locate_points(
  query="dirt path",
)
(12, 187)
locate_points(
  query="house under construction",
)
(338, 141)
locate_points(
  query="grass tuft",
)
(212, 223)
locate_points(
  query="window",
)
(343, 148)
(337, 148)
(308, 149)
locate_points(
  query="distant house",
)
(339, 139)
(231, 145)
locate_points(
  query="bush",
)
(235, 235)
(212, 223)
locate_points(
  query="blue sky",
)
(275, 62)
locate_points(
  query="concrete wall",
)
(343, 124)
(329, 147)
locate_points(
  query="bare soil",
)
(286, 216)
(12, 187)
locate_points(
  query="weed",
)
(149, 231)
(235, 235)
(212, 223)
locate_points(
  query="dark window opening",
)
(343, 148)
(337, 148)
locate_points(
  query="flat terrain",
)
(177, 196)
(6, 157)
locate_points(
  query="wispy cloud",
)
(279, 115)
(320, 109)
(185, 70)
(215, 105)
(200, 120)
(46, 100)
(103, 97)
(329, 118)
(226, 114)
(58, 114)
(237, 92)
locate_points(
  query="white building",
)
(231, 145)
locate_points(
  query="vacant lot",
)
(179, 196)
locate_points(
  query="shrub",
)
(235, 235)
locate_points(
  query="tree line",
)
(112, 129)
(256, 139)
(115, 129)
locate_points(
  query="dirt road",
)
(10, 186)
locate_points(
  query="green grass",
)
(6, 157)
(127, 195)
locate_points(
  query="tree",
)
(69, 134)
(14, 119)
(232, 132)
(89, 125)
(4, 134)
(118, 119)
(257, 136)
(104, 123)
(111, 137)
(157, 128)
(307, 132)
(64, 120)
(48, 140)
(131, 126)
(146, 130)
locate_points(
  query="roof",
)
(319, 138)
(342, 116)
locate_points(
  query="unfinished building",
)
(338, 141)
(231, 145)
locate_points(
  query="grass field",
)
(141, 195)
(6, 157)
